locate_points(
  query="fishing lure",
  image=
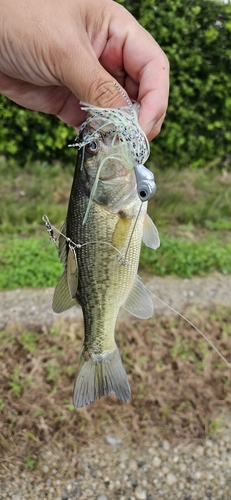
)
(130, 142)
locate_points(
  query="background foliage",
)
(191, 208)
(197, 40)
(27, 136)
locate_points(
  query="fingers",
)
(153, 95)
(51, 99)
(115, 46)
(83, 74)
(145, 77)
(147, 70)
(83, 63)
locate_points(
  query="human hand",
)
(56, 53)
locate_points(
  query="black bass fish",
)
(99, 246)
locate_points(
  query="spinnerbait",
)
(126, 127)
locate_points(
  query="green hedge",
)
(197, 39)
(27, 136)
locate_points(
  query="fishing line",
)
(193, 326)
(82, 159)
(105, 243)
(122, 260)
(72, 245)
(94, 187)
(91, 136)
(126, 98)
(127, 127)
(135, 116)
(133, 229)
(124, 146)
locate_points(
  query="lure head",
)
(146, 186)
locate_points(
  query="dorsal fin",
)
(139, 302)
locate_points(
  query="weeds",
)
(29, 341)
(51, 372)
(34, 262)
(165, 411)
(192, 210)
(30, 462)
(201, 198)
(215, 426)
(31, 262)
(18, 383)
(175, 379)
(185, 258)
(174, 382)
(26, 194)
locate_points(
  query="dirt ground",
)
(180, 386)
(32, 307)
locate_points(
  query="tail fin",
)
(98, 376)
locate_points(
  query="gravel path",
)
(32, 307)
(113, 467)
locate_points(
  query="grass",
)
(29, 193)
(36, 382)
(187, 258)
(28, 262)
(192, 210)
(179, 385)
(192, 199)
(34, 262)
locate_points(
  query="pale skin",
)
(56, 53)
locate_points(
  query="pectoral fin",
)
(150, 233)
(62, 299)
(72, 273)
(139, 302)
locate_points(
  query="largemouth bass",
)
(99, 247)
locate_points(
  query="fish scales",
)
(99, 249)
(104, 276)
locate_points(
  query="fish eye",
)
(92, 148)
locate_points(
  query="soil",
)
(180, 386)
